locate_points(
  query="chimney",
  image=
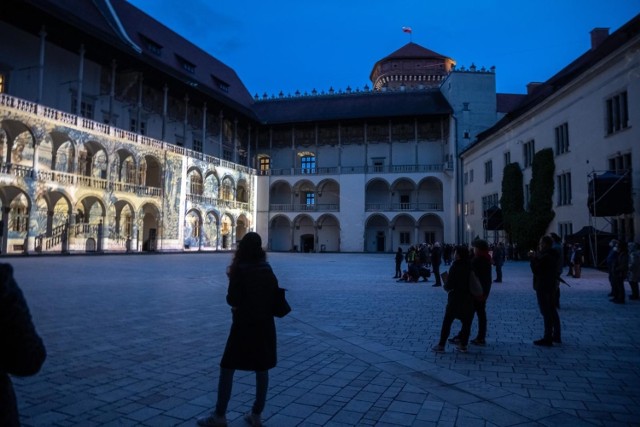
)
(532, 87)
(598, 35)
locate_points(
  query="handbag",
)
(474, 285)
(280, 305)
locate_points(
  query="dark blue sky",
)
(300, 45)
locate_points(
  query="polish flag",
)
(406, 29)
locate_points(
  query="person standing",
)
(399, 259)
(620, 272)
(459, 300)
(611, 261)
(498, 260)
(22, 351)
(436, 260)
(557, 248)
(545, 282)
(577, 259)
(251, 345)
(634, 270)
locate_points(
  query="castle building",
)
(117, 134)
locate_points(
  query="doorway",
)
(307, 242)
(380, 241)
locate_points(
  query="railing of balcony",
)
(207, 200)
(104, 129)
(393, 207)
(298, 207)
(372, 169)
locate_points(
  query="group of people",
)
(623, 264)
(420, 262)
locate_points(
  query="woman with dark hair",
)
(459, 299)
(251, 345)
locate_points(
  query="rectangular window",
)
(405, 238)
(86, 108)
(466, 178)
(310, 198)
(527, 195)
(265, 164)
(562, 139)
(472, 207)
(405, 202)
(466, 209)
(378, 164)
(507, 158)
(488, 171)
(226, 155)
(308, 164)
(179, 140)
(617, 114)
(528, 151)
(2, 83)
(565, 229)
(134, 128)
(564, 189)
(197, 145)
(490, 201)
(620, 163)
(471, 175)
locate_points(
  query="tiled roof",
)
(412, 50)
(352, 106)
(568, 74)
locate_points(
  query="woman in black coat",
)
(22, 352)
(459, 300)
(251, 345)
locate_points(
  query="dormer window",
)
(220, 84)
(186, 65)
(152, 46)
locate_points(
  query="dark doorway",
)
(380, 241)
(306, 242)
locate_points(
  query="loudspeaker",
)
(610, 195)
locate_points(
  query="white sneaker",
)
(213, 420)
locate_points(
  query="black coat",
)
(22, 352)
(251, 345)
(482, 267)
(459, 300)
(544, 266)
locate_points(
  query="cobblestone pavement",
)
(136, 340)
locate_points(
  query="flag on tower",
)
(407, 30)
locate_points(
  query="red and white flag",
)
(407, 30)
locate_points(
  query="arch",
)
(376, 234)
(242, 227)
(304, 239)
(377, 195)
(430, 194)
(125, 166)
(226, 231)
(151, 171)
(91, 210)
(430, 228)
(150, 214)
(227, 188)
(328, 239)
(123, 220)
(242, 191)
(280, 193)
(52, 216)
(195, 181)
(304, 193)
(211, 184)
(20, 143)
(63, 152)
(192, 229)
(328, 195)
(211, 230)
(403, 194)
(93, 160)
(280, 233)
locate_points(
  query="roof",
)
(567, 75)
(506, 102)
(412, 51)
(359, 105)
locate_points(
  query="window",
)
(196, 184)
(264, 164)
(220, 84)
(405, 201)
(562, 139)
(152, 46)
(2, 83)
(308, 164)
(564, 189)
(507, 158)
(86, 108)
(197, 145)
(186, 65)
(466, 178)
(179, 140)
(226, 154)
(528, 151)
(620, 163)
(471, 207)
(405, 238)
(378, 164)
(471, 175)
(565, 229)
(617, 113)
(490, 201)
(134, 128)
(310, 198)
(466, 209)
(488, 171)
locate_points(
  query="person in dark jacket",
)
(399, 259)
(544, 266)
(620, 272)
(251, 345)
(459, 300)
(22, 351)
(498, 260)
(436, 260)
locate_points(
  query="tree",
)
(512, 200)
(540, 212)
